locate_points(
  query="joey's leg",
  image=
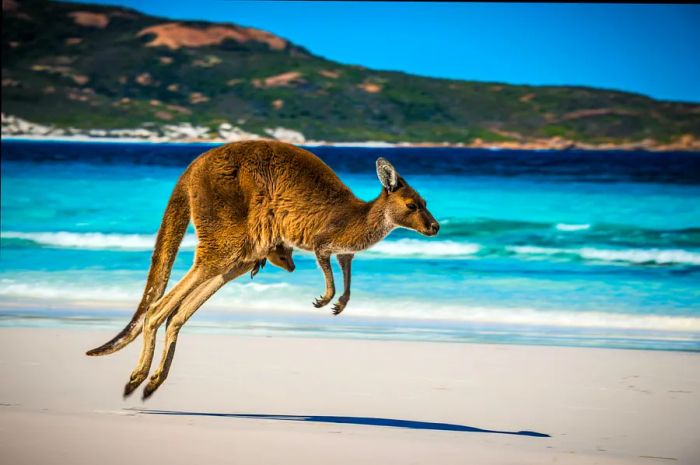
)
(258, 265)
(324, 261)
(154, 318)
(345, 261)
(188, 307)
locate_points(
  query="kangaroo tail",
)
(170, 234)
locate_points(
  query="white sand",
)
(599, 406)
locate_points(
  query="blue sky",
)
(649, 49)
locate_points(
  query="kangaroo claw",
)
(338, 308)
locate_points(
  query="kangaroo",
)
(245, 199)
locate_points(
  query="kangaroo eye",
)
(411, 206)
(284, 259)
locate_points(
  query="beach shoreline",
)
(558, 145)
(529, 328)
(345, 397)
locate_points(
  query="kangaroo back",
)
(172, 230)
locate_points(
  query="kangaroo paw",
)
(339, 306)
(321, 301)
(337, 309)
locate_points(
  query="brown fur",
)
(246, 199)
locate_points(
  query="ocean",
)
(595, 249)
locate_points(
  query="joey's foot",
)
(321, 301)
(134, 382)
(339, 306)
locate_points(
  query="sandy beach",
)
(267, 400)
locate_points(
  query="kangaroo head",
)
(404, 206)
(281, 256)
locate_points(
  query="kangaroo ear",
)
(387, 174)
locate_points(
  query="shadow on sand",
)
(367, 421)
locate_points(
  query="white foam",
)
(427, 248)
(102, 241)
(67, 292)
(572, 227)
(94, 240)
(408, 248)
(528, 316)
(534, 250)
(658, 256)
(127, 292)
(283, 298)
(636, 256)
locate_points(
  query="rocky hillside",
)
(94, 67)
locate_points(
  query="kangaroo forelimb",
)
(345, 261)
(324, 261)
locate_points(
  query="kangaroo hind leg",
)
(155, 317)
(188, 307)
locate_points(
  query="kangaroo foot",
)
(134, 382)
(340, 306)
(153, 384)
(321, 301)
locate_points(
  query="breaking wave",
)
(572, 227)
(428, 249)
(401, 248)
(102, 241)
(120, 294)
(93, 240)
(633, 256)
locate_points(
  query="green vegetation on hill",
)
(91, 66)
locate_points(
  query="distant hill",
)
(89, 66)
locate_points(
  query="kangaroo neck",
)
(377, 220)
(367, 226)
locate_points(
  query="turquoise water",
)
(534, 247)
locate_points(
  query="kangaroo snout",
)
(431, 229)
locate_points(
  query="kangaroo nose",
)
(434, 228)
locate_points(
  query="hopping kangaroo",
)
(246, 199)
